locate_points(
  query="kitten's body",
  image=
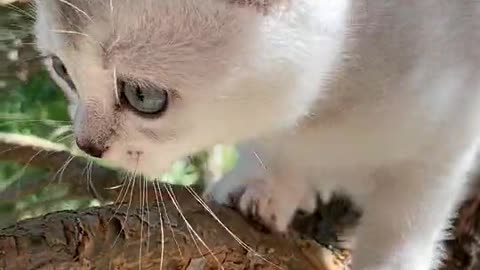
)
(377, 99)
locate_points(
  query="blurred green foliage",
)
(35, 107)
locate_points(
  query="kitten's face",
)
(153, 81)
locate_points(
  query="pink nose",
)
(91, 148)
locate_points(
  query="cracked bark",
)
(131, 238)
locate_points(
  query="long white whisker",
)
(70, 32)
(111, 7)
(41, 121)
(62, 169)
(236, 238)
(77, 9)
(168, 219)
(142, 206)
(123, 180)
(90, 180)
(162, 232)
(145, 188)
(179, 210)
(115, 85)
(10, 149)
(260, 160)
(126, 187)
(21, 11)
(65, 137)
(30, 160)
(175, 202)
(131, 180)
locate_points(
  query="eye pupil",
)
(139, 94)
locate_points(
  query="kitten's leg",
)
(248, 168)
(274, 199)
(263, 188)
(405, 217)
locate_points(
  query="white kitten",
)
(379, 99)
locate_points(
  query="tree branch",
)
(127, 238)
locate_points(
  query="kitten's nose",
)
(91, 148)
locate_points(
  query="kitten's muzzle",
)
(91, 148)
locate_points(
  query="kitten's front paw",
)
(269, 203)
(263, 203)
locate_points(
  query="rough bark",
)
(131, 238)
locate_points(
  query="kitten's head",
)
(152, 81)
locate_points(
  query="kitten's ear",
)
(263, 6)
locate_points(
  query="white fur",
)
(380, 100)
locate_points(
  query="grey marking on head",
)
(149, 134)
(263, 6)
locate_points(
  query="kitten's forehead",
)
(122, 16)
(167, 35)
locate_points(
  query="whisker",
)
(30, 43)
(77, 9)
(168, 218)
(10, 149)
(65, 137)
(171, 193)
(142, 201)
(148, 212)
(62, 169)
(33, 123)
(24, 168)
(131, 180)
(186, 222)
(122, 186)
(115, 187)
(22, 117)
(45, 121)
(115, 86)
(58, 31)
(199, 199)
(124, 179)
(90, 182)
(21, 11)
(134, 178)
(260, 160)
(72, 32)
(162, 232)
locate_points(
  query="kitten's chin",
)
(141, 166)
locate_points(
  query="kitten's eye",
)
(61, 71)
(143, 98)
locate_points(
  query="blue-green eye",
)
(144, 98)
